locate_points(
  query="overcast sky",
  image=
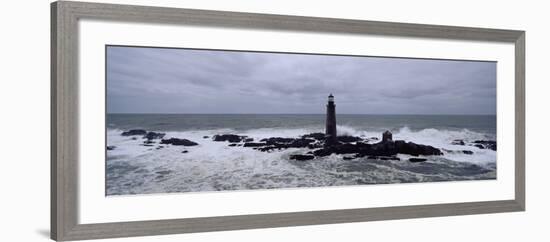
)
(154, 80)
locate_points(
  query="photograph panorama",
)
(196, 120)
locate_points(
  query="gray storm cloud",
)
(163, 80)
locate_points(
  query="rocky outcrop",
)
(411, 148)
(232, 138)
(302, 157)
(348, 139)
(285, 143)
(251, 144)
(277, 140)
(388, 158)
(458, 142)
(486, 144)
(134, 132)
(417, 159)
(468, 152)
(300, 143)
(175, 141)
(388, 148)
(153, 135)
(315, 136)
(351, 146)
(142, 132)
(148, 142)
(481, 144)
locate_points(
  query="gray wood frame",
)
(64, 118)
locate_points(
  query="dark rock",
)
(148, 142)
(147, 145)
(153, 135)
(339, 149)
(284, 143)
(175, 141)
(411, 148)
(134, 138)
(160, 147)
(487, 144)
(417, 159)
(134, 132)
(277, 140)
(267, 148)
(387, 136)
(205, 137)
(389, 158)
(185, 151)
(373, 138)
(316, 136)
(232, 145)
(372, 157)
(348, 139)
(468, 152)
(111, 147)
(301, 157)
(359, 155)
(480, 146)
(232, 138)
(389, 148)
(458, 142)
(250, 144)
(300, 143)
(331, 141)
(315, 146)
(384, 150)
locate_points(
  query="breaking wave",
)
(132, 168)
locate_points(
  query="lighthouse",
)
(330, 131)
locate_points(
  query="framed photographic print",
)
(169, 120)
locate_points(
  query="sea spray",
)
(136, 169)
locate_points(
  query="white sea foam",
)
(216, 166)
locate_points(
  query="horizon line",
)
(311, 113)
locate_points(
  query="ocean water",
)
(132, 168)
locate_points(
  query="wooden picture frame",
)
(64, 118)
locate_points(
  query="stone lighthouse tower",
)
(330, 132)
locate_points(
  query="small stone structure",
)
(387, 136)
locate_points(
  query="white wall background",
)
(24, 100)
